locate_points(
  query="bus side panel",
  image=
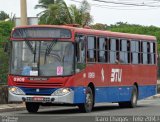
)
(120, 94)
(113, 94)
(79, 95)
(147, 91)
(116, 91)
(79, 87)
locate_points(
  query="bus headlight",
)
(16, 90)
(61, 91)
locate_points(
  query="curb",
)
(156, 96)
(12, 107)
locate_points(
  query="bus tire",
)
(133, 102)
(89, 102)
(32, 107)
(134, 97)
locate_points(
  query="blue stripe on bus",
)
(114, 94)
(146, 91)
(79, 95)
(102, 94)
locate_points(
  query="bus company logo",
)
(91, 75)
(18, 79)
(116, 75)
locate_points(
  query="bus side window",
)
(117, 51)
(139, 54)
(91, 49)
(80, 49)
(152, 52)
(102, 50)
(134, 51)
(80, 52)
(144, 49)
(128, 51)
(112, 50)
(148, 53)
(123, 51)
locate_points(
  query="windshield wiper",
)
(30, 46)
(33, 50)
(49, 49)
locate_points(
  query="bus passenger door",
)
(80, 69)
(80, 61)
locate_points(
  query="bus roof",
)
(96, 32)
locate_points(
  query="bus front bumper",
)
(66, 98)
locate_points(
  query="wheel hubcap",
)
(89, 101)
(134, 98)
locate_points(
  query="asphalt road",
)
(147, 110)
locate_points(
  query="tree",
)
(3, 15)
(99, 26)
(55, 12)
(81, 15)
(5, 30)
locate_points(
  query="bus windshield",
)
(42, 58)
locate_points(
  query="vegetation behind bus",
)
(131, 28)
(57, 12)
(5, 30)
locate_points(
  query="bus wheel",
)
(134, 98)
(88, 105)
(133, 102)
(32, 107)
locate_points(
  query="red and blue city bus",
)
(67, 65)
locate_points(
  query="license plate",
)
(38, 98)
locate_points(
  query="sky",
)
(102, 13)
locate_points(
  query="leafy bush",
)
(5, 30)
(137, 29)
(4, 62)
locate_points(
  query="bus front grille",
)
(39, 84)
